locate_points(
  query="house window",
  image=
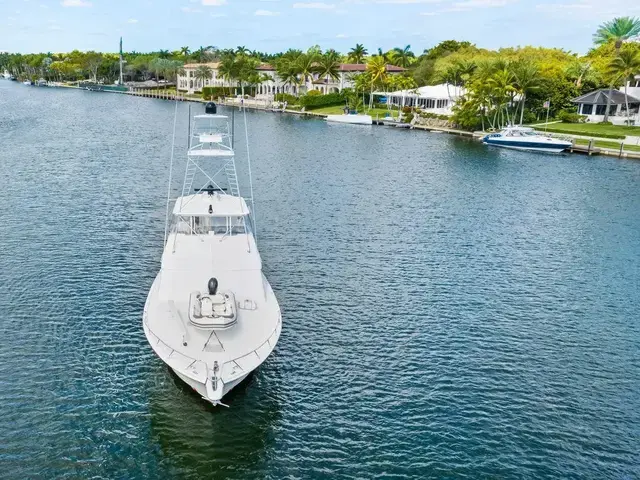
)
(587, 109)
(600, 109)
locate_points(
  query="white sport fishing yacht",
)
(211, 314)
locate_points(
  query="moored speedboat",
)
(211, 314)
(524, 138)
(27, 82)
(353, 118)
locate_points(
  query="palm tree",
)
(173, 68)
(202, 73)
(226, 69)
(377, 68)
(402, 57)
(357, 53)
(288, 71)
(581, 71)
(502, 88)
(527, 79)
(306, 66)
(203, 53)
(163, 53)
(242, 50)
(624, 67)
(618, 31)
(384, 55)
(328, 66)
(185, 51)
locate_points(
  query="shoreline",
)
(263, 106)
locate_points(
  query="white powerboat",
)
(352, 118)
(211, 314)
(525, 138)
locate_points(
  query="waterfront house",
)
(271, 83)
(437, 99)
(593, 105)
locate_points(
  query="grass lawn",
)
(612, 145)
(592, 129)
(339, 109)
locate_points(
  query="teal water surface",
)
(450, 310)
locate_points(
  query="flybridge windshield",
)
(204, 225)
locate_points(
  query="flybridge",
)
(210, 137)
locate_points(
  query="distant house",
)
(593, 105)
(438, 99)
(272, 84)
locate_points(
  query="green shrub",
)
(406, 109)
(317, 101)
(285, 97)
(585, 134)
(570, 117)
(434, 115)
(208, 92)
(407, 118)
(605, 123)
(314, 93)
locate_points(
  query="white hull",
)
(351, 119)
(211, 314)
(524, 138)
(532, 149)
(181, 365)
(201, 389)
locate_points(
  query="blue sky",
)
(274, 25)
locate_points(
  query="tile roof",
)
(361, 67)
(196, 65)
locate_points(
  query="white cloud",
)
(75, 3)
(214, 3)
(316, 5)
(428, 14)
(595, 10)
(342, 35)
(190, 10)
(55, 27)
(266, 13)
(132, 20)
(468, 4)
(396, 2)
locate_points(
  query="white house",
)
(593, 106)
(272, 83)
(438, 99)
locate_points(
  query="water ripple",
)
(450, 311)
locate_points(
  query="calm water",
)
(451, 311)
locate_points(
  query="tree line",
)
(509, 85)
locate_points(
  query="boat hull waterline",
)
(525, 138)
(351, 119)
(529, 146)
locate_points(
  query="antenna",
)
(233, 127)
(189, 129)
(173, 143)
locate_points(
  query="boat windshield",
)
(521, 133)
(206, 224)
